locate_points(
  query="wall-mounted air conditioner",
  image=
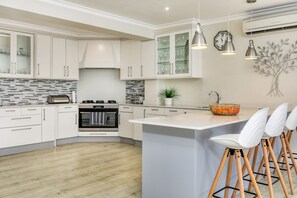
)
(270, 24)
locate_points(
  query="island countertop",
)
(197, 120)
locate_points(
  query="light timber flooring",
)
(84, 170)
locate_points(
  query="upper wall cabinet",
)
(65, 59)
(99, 54)
(16, 50)
(43, 51)
(174, 57)
(137, 60)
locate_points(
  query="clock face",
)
(220, 39)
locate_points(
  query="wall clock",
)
(220, 39)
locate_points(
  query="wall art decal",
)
(274, 60)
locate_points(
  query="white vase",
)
(168, 101)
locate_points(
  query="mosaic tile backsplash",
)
(28, 91)
(135, 91)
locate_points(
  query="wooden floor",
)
(84, 170)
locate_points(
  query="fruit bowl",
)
(224, 109)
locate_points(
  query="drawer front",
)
(169, 112)
(67, 108)
(155, 111)
(126, 108)
(31, 111)
(18, 121)
(20, 136)
(10, 112)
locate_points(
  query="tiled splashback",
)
(134, 91)
(23, 91)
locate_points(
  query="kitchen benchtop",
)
(33, 105)
(199, 120)
(194, 107)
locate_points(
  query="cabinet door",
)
(72, 70)
(163, 53)
(24, 55)
(43, 56)
(48, 123)
(67, 125)
(59, 61)
(138, 112)
(125, 127)
(6, 61)
(147, 69)
(182, 55)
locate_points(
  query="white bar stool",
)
(249, 137)
(291, 124)
(274, 128)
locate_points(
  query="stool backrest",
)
(276, 123)
(291, 123)
(253, 131)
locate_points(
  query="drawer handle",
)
(126, 107)
(172, 110)
(68, 107)
(23, 129)
(32, 109)
(24, 118)
(10, 111)
(155, 109)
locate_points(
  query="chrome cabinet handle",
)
(43, 114)
(67, 70)
(154, 109)
(144, 113)
(172, 68)
(126, 107)
(23, 129)
(67, 107)
(128, 71)
(119, 119)
(38, 69)
(10, 111)
(75, 119)
(24, 118)
(141, 70)
(32, 109)
(172, 110)
(64, 70)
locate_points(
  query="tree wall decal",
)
(275, 59)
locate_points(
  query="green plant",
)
(169, 93)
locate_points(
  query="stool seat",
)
(228, 140)
(266, 136)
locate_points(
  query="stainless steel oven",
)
(98, 117)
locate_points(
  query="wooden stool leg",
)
(278, 170)
(254, 164)
(291, 154)
(239, 173)
(229, 173)
(243, 170)
(246, 161)
(287, 163)
(264, 147)
(219, 172)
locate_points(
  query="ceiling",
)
(153, 11)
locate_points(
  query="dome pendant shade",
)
(251, 53)
(228, 48)
(199, 41)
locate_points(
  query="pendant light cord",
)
(228, 17)
(198, 11)
(251, 18)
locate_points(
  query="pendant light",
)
(228, 48)
(199, 41)
(251, 53)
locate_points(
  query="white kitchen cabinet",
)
(65, 59)
(16, 54)
(67, 122)
(43, 51)
(147, 68)
(99, 54)
(130, 60)
(48, 123)
(125, 127)
(174, 57)
(138, 112)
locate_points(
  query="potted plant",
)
(169, 95)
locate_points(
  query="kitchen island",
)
(178, 159)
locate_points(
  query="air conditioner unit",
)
(270, 23)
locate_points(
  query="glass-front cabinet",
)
(16, 50)
(173, 55)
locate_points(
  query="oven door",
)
(94, 119)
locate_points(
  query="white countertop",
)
(198, 120)
(195, 107)
(34, 105)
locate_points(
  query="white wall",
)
(104, 84)
(233, 76)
